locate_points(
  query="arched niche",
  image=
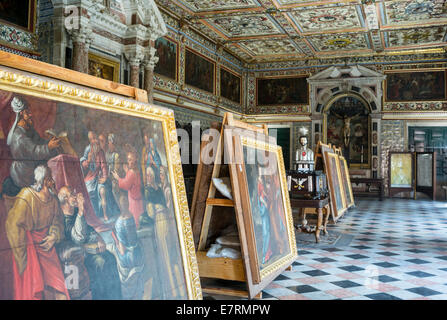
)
(347, 124)
(333, 83)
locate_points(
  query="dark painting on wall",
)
(282, 91)
(18, 12)
(230, 86)
(415, 86)
(199, 72)
(167, 58)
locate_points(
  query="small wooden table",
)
(319, 205)
(369, 182)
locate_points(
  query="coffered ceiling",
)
(272, 30)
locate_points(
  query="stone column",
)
(149, 66)
(134, 72)
(82, 39)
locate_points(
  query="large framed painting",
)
(348, 127)
(266, 207)
(19, 13)
(167, 53)
(199, 71)
(417, 85)
(401, 172)
(336, 184)
(103, 68)
(282, 91)
(230, 86)
(349, 197)
(93, 200)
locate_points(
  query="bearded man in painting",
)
(33, 226)
(28, 149)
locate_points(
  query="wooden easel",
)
(209, 206)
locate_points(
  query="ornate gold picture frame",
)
(266, 205)
(134, 128)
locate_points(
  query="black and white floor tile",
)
(399, 251)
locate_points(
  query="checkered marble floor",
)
(399, 251)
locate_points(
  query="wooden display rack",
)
(208, 213)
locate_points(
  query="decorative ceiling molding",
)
(314, 29)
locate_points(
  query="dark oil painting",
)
(415, 86)
(167, 58)
(282, 91)
(17, 12)
(199, 72)
(230, 86)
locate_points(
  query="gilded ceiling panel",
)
(268, 47)
(218, 5)
(416, 11)
(412, 37)
(244, 25)
(321, 19)
(341, 41)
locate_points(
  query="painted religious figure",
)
(92, 209)
(268, 212)
(348, 128)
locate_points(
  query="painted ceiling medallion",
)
(326, 18)
(339, 42)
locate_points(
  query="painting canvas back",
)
(92, 205)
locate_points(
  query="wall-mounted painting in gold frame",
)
(132, 270)
(103, 68)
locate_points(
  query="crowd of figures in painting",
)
(96, 199)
